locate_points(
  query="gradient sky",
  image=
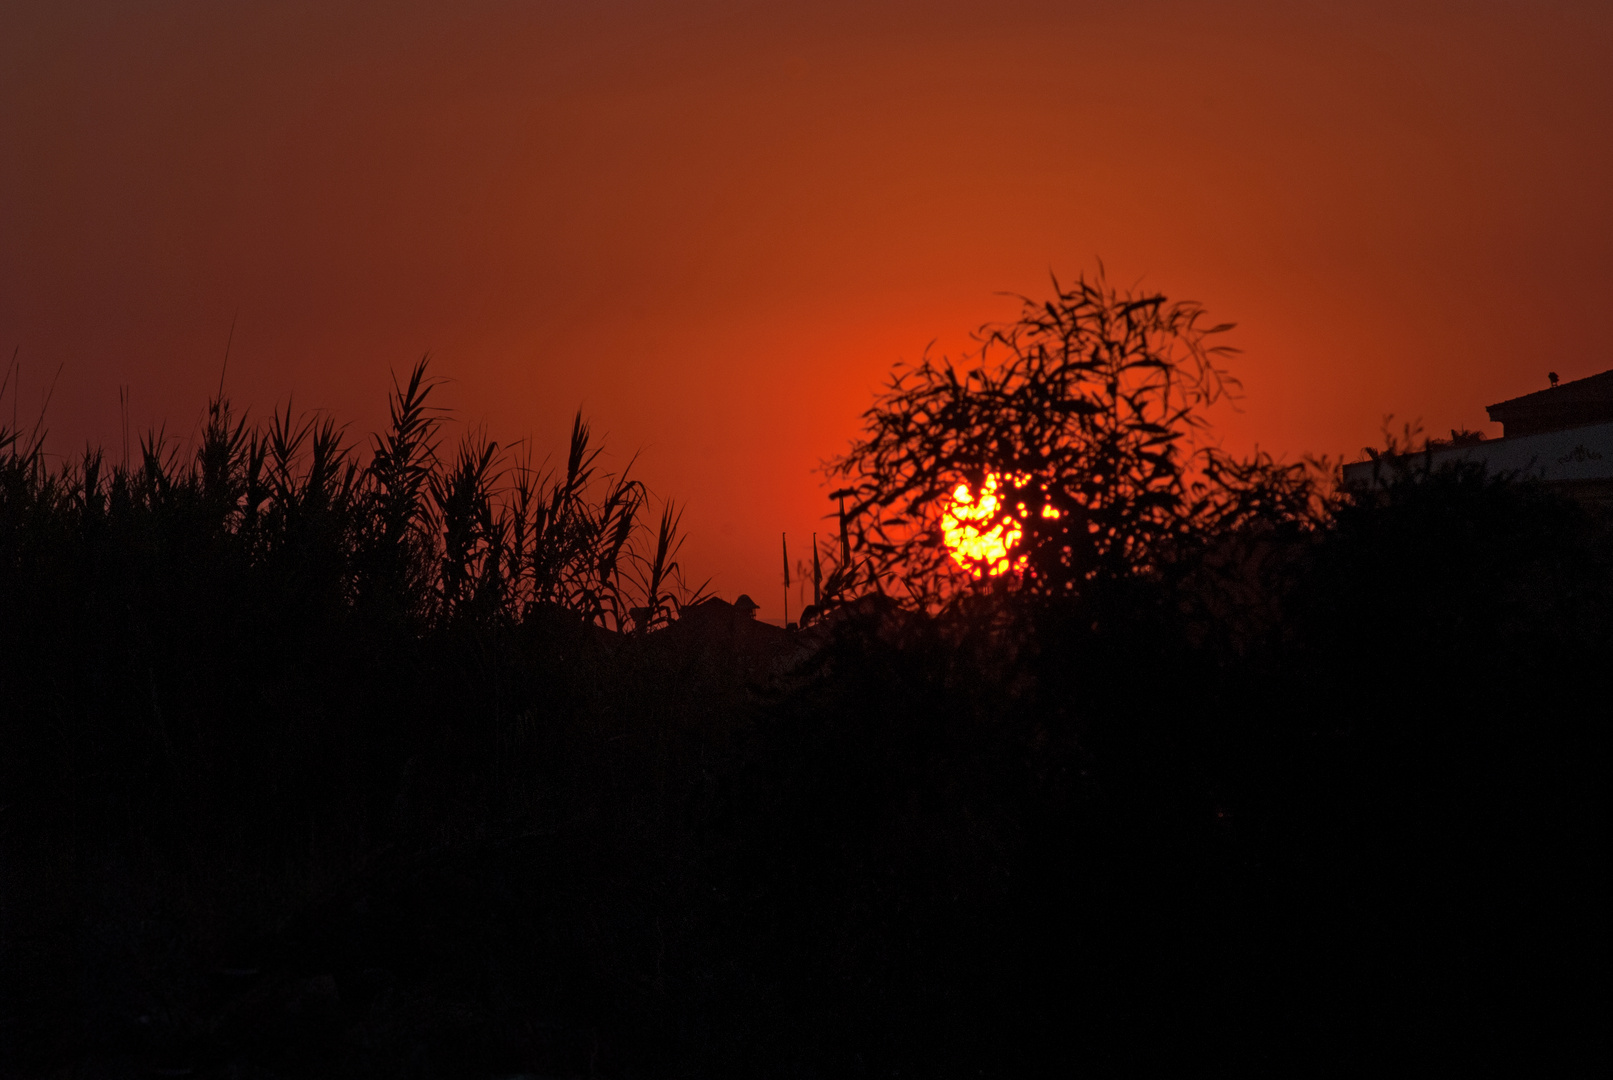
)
(714, 227)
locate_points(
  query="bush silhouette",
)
(1081, 417)
(319, 761)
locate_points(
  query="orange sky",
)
(715, 226)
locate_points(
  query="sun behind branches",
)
(981, 534)
(977, 533)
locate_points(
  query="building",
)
(1582, 403)
(1562, 435)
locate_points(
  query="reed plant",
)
(440, 538)
(221, 604)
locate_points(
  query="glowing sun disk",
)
(980, 536)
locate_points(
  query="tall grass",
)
(245, 637)
(433, 537)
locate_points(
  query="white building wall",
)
(1575, 455)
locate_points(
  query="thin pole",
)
(845, 540)
(817, 574)
(784, 539)
(226, 366)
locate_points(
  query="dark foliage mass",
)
(408, 766)
(1083, 416)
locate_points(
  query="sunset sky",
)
(714, 227)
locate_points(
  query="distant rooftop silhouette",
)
(1562, 435)
(1557, 408)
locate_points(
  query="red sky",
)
(714, 227)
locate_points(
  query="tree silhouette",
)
(1081, 419)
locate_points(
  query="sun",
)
(979, 534)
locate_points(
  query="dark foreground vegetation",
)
(310, 767)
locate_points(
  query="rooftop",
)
(1571, 405)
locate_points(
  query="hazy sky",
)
(714, 227)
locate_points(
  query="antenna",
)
(784, 539)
